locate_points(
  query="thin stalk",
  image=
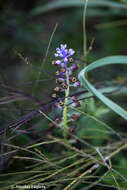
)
(65, 106)
(80, 177)
(84, 30)
(58, 171)
(46, 55)
(117, 151)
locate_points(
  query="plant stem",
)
(65, 106)
(84, 31)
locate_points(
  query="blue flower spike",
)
(65, 79)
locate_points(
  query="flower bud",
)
(64, 86)
(54, 95)
(58, 89)
(77, 84)
(72, 128)
(75, 117)
(61, 103)
(73, 79)
(70, 60)
(57, 120)
(60, 80)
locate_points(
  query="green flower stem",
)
(65, 106)
(84, 30)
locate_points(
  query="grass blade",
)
(99, 63)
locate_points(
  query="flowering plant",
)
(65, 80)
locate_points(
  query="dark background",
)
(24, 37)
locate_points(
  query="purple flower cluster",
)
(64, 56)
(63, 53)
(65, 75)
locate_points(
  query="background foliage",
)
(29, 146)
